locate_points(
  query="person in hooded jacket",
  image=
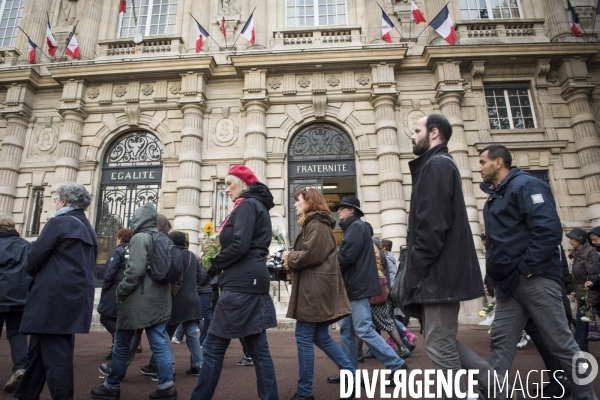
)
(318, 296)
(57, 308)
(583, 264)
(245, 308)
(14, 282)
(523, 260)
(593, 285)
(142, 304)
(113, 275)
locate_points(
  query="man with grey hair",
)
(61, 298)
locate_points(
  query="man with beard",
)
(442, 268)
(523, 260)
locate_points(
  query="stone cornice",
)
(528, 145)
(27, 75)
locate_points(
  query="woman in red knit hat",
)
(245, 308)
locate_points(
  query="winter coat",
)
(442, 264)
(567, 277)
(523, 231)
(583, 266)
(113, 275)
(392, 268)
(242, 263)
(62, 260)
(318, 293)
(357, 260)
(14, 279)
(186, 305)
(142, 301)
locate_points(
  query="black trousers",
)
(18, 341)
(110, 324)
(50, 360)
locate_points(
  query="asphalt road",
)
(239, 382)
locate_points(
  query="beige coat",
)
(318, 293)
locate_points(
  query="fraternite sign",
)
(321, 168)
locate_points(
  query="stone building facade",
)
(318, 100)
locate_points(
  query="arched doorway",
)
(131, 177)
(322, 156)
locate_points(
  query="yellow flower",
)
(481, 314)
(208, 228)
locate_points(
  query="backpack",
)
(164, 260)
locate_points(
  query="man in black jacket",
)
(522, 258)
(356, 257)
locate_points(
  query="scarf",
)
(237, 203)
(64, 210)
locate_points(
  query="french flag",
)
(52, 45)
(223, 26)
(31, 50)
(248, 30)
(386, 27)
(416, 14)
(574, 21)
(73, 47)
(443, 25)
(122, 6)
(202, 35)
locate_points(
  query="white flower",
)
(585, 319)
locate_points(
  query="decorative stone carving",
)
(509, 71)
(319, 105)
(147, 90)
(93, 92)
(411, 121)
(225, 132)
(230, 7)
(275, 83)
(363, 80)
(542, 68)
(348, 84)
(466, 78)
(120, 91)
(333, 80)
(2, 98)
(552, 77)
(304, 82)
(68, 11)
(289, 84)
(476, 74)
(45, 137)
(133, 112)
(175, 88)
(416, 104)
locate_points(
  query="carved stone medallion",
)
(147, 89)
(45, 137)
(120, 91)
(225, 132)
(411, 121)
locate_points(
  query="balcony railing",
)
(318, 36)
(9, 56)
(152, 45)
(501, 31)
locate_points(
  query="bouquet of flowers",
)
(487, 313)
(586, 308)
(210, 245)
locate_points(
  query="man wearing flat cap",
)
(357, 262)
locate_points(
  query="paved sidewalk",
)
(239, 382)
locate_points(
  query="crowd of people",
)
(346, 283)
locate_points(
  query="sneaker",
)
(149, 369)
(523, 341)
(361, 357)
(104, 393)
(14, 380)
(368, 354)
(333, 379)
(246, 362)
(104, 369)
(164, 394)
(410, 345)
(409, 335)
(174, 340)
(194, 371)
(404, 352)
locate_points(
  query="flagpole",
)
(69, 40)
(392, 23)
(210, 36)
(41, 51)
(240, 34)
(594, 23)
(432, 19)
(410, 29)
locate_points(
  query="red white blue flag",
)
(386, 27)
(574, 21)
(122, 6)
(416, 14)
(52, 45)
(443, 25)
(73, 47)
(248, 30)
(202, 35)
(31, 50)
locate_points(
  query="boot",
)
(410, 345)
(361, 357)
(404, 352)
(409, 335)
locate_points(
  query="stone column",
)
(373, 22)
(449, 94)
(558, 22)
(10, 160)
(576, 90)
(187, 210)
(34, 21)
(88, 37)
(255, 156)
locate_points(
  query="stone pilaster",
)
(88, 37)
(449, 94)
(576, 90)
(34, 21)
(391, 199)
(558, 22)
(256, 104)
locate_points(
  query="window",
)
(37, 205)
(509, 106)
(11, 11)
(222, 209)
(540, 174)
(489, 9)
(315, 12)
(155, 17)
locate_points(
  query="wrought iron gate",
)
(131, 177)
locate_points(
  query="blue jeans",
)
(360, 324)
(581, 331)
(206, 310)
(400, 328)
(159, 344)
(214, 348)
(179, 333)
(193, 343)
(308, 333)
